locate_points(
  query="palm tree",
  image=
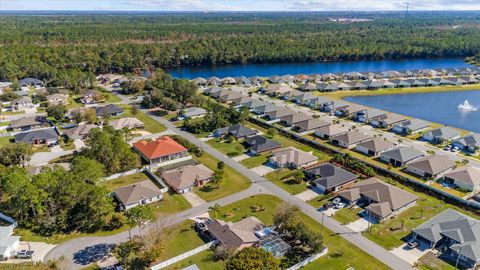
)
(215, 210)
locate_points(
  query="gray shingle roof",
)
(403, 154)
(329, 176)
(352, 137)
(260, 144)
(39, 134)
(109, 109)
(470, 140)
(445, 133)
(237, 130)
(377, 145)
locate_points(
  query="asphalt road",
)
(81, 251)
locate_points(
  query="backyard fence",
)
(419, 186)
(184, 256)
(308, 260)
(117, 175)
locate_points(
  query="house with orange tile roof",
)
(163, 150)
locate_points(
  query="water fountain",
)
(466, 106)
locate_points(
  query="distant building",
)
(57, 99)
(22, 104)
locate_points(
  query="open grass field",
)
(124, 181)
(233, 182)
(231, 149)
(287, 184)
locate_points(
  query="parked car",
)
(24, 254)
(339, 205)
(413, 244)
(448, 147)
(455, 149)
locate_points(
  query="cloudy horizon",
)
(239, 5)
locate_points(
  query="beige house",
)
(126, 122)
(329, 131)
(183, 179)
(144, 192)
(22, 104)
(57, 99)
(431, 166)
(235, 236)
(292, 158)
(467, 178)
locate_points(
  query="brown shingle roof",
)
(134, 193)
(433, 164)
(184, 177)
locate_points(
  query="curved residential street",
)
(81, 251)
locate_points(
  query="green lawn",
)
(346, 215)
(124, 181)
(341, 253)
(4, 124)
(233, 181)
(171, 203)
(230, 149)
(389, 234)
(287, 184)
(5, 140)
(256, 161)
(319, 201)
(203, 260)
(180, 238)
(430, 262)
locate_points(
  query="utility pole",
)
(406, 11)
(321, 227)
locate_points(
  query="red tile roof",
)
(159, 147)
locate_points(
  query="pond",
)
(435, 107)
(270, 69)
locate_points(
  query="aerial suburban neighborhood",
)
(156, 136)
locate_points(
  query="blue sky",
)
(237, 5)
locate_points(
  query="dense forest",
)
(57, 47)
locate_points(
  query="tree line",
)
(70, 50)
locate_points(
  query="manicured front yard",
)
(5, 140)
(151, 125)
(231, 149)
(180, 238)
(233, 181)
(172, 203)
(346, 215)
(255, 161)
(288, 184)
(204, 260)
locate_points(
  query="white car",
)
(339, 205)
(455, 149)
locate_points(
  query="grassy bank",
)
(399, 91)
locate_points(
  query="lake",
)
(266, 70)
(435, 107)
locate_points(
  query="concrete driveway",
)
(307, 195)
(193, 198)
(359, 225)
(262, 170)
(241, 157)
(43, 158)
(411, 255)
(41, 249)
(79, 144)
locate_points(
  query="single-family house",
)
(238, 131)
(91, 97)
(109, 110)
(30, 82)
(292, 158)
(28, 123)
(368, 115)
(57, 99)
(382, 200)
(303, 98)
(311, 125)
(386, 120)
(184, 178)
(292, 119)
(200, 81)
(431, 166)
(375, 147)
(456, 233)
(308, 87)
(335, 105)
(192, 113)
(79, 132)
(263, 108)
(163, 150)
(412, 126)
(329, 178)
(440, 135)
(229, 81)
(45, 136)
(234, 236)
(9, 243)
(291, 95)
(350, 110)
(276, 89)
(350, 139)
(401, 156)
(229, 97)
(241, 101)
(330, 131)
(214, 81)
(466, 178)
(212, 90)
(259, 144)
(469, 143)
(318, 102)
(140, 193)
(22, 104)
(126, 122)
(278, 113)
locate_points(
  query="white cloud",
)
(182, 5)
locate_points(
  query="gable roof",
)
(38, 134)
(136, 192)
(377, 145)
(414, 124)
(403, 154)
(386, 198)
(391, 118)
(333, 129)
(185, 177)
(445, 133)
(454, 225)
(259, 143)
(237, 130)
(295, 118)
(279, 112)
(433, 164)
(292, 155)
(330, 176)
(352, 137)
(160, 147)
(467, 174)
(470, 140)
